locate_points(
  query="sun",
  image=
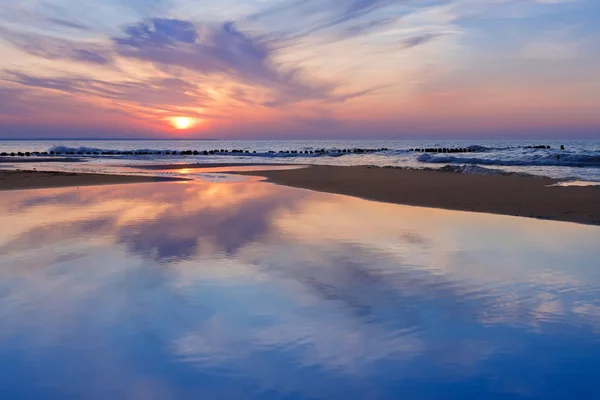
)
(182, 123)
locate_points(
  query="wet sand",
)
(507, 195)
(18, 180)
(158, 167)
(30, 160)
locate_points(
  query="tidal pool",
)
(251, 290)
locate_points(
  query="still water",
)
(250, 290)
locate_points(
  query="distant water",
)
(250, 290)
(579, 161)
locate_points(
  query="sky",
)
(294, 69)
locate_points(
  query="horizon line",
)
(295, 140)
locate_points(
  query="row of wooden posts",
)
(185, 152)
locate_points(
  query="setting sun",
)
(182, 123)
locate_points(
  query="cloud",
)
(367, 27)
(151, 92)
(211, 50)
(54, 48)
(338, 20)
(158, 32)
(10, 103)
(418, 40)
(326, 13)
(312, 54)
(48, 16)
(245, 58)
(220, 49)
(68, 24)
(83, 101)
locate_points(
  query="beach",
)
(25, 179)
(308, 270)
(247, 289)
(533, 197)
(300, 199)
(507, 195)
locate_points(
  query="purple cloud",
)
(305, 17)
(68, 24)
(215, 49)
(175, 42)
(418, 40)
(205, 49)
(158, 32)
(55, 48)
(153, 91)
(11, 101)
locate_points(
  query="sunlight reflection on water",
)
(247, 289)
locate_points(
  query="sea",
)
(567, 160)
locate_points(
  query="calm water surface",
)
(249, 290)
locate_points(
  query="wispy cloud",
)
(417, 40)
(55, 48)
(289, 58)
(68, 24)
(340, 19)
(215, 50)
(45, 15)
(151, 92)
(325, 13)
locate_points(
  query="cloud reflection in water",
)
(249, 289)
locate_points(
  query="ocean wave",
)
(552, 159)
(479, 149)
(92, 151)
(66, 150)
(477, 170)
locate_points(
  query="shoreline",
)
(26, 179)
(31, 160)
(514, 195)
(158, 167)
(522, 196)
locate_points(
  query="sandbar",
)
(18, 180)
(507, 195)
(534, 197)
(204, 165)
